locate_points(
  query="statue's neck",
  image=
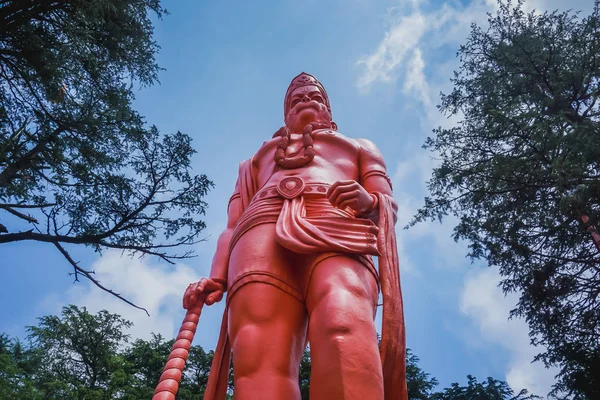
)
(301, 130)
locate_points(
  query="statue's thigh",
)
(341, 296)
(341, 302)
(267, 328)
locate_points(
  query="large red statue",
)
(309, 211)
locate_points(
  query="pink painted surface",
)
(309, 211)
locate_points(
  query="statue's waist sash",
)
(306, 222)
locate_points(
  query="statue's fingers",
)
(332, 189)
(334, 194)
(341, 187)
(186, 296)
(348, 203)
(338, 184)
(201, 285)
(214, 297)
(211, 286)
(195, 293)
(344, 198)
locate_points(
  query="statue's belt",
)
(291, 187)
(266, 206)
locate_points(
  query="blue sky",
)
(227, 66)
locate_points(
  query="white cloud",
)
(381, 65)
(483, 301)
(540, 6)
(415, 82)
(404, 56)
(157, 287)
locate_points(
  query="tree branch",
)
(11, 171)
(27, 205)
(88, 275)
(26, 217)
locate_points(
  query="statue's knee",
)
(250, 359)
(246, 360)
(344, 313)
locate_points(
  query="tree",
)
(145, 361)
(195, 375)
(79, 355)
(521, 172)
(491, 389)
(79, 350)
(304, 374)
(78, 165)
(419, 383)
(16, 366)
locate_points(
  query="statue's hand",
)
(206, 291)
(351, 194)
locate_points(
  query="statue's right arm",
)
(215, 286)
(220, 263)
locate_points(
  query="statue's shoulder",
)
(265, 150)
(368, 147)
(361, 144)
(339, 136)
(366, 144)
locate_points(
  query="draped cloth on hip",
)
(321, 230)
(308, 223)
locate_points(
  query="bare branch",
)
(26, 217)
(27, 205)
(88, 275)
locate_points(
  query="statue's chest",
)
(295, 147)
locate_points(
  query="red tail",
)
(171, 376)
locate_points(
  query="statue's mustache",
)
(308, 104)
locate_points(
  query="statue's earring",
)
(334, 126)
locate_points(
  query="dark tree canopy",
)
(76, 353)
(419, 383)
(491, 389)
(78, 165)
(79, 355)
(521, 172)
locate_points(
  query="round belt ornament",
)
(290, 187)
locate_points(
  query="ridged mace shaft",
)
(171, 376)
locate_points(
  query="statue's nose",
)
(306, 98)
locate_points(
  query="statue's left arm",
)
(362, 195)
(373, 176)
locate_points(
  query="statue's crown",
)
(301, 80)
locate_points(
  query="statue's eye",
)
(295, 101)
(318, 99)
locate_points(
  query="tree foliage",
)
(521, 172)
(304, 375)
(419, 383)
(80, 349)
(79, 355)
(78, 165)
(491, 389)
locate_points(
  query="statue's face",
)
(306, 105)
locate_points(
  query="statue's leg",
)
(267, 329)
(341, 302)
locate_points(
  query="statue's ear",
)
(334, 126)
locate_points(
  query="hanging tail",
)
(171, 376)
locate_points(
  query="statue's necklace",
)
(307, 141)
